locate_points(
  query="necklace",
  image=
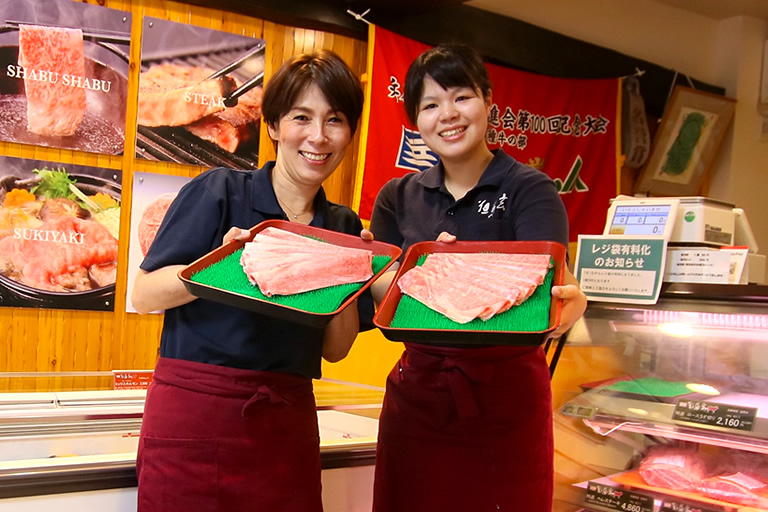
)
(295, 215)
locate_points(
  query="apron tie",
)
(264, 392)
(459, 374)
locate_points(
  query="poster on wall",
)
(59, 231)
(64, 80)
(152, 195)
(566, 128)
(199, 95)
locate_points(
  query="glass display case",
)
(664, 407)
(79, 447)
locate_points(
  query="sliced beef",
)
(284, 263)
(48, 54)
(58, 254)
(460, 303)
(465, 286)
(174, 95)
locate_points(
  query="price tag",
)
(613, 498)
(736, 417)
(131, 379)
(672, 506)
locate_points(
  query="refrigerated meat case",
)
(689, 374)
(77, 448)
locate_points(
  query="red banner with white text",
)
(567, 128)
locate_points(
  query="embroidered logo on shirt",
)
(414, 154)
(488, 209)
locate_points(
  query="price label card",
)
(131, 379)
(672, 506)
(736, 417)
(617, 499)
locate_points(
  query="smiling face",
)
(311, 138)
(453, 121)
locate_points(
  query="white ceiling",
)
(716, 9)
(722, 9)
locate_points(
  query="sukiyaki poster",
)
(64, 78)
(199, 95)
(59, 231)
(152, 195)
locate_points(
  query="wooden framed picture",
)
(691, 130)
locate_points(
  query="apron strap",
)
(459, 374)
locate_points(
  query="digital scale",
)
(686, 222)
(680, 220)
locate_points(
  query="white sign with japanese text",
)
(621, 268)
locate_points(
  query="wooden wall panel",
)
(73, 342)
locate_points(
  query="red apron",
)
(227, 440)
(466, 429)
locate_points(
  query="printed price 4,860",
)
(631, 507)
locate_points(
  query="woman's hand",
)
(446, 237)
(236, 233)
(574, 303)
(366, 235)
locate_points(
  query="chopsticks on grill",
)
(99, 35)
(231, 99)
(256, 50)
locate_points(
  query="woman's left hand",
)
(574, 303)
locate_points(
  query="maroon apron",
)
(227, 440)
(466, 429)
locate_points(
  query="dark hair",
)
(324, 69)
(450, 65)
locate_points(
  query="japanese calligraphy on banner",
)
(565, 127)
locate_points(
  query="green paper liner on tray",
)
(651, 386)
(227, 274)
(531, 316)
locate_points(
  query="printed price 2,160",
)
(728, 422)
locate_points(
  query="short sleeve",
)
(384, 217)
(189, 228)
(539, 212)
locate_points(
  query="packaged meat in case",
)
(474, 293)
(290, 271)
(673, 468)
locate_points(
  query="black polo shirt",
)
(210, 332)
(511, 201)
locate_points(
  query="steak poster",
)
(566, 128)
(199, 95)
(59, 230)
(64, 77)
(152, 195)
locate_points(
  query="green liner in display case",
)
(218, 276)
(402, 318)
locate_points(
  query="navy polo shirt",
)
(511, 201)
(209, 332)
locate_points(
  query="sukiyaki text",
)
(56, 235)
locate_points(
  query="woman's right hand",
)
(446, 237)
(236, 233)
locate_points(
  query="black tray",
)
(273, 309)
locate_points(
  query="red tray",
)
(266, 307)
(388, 306)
